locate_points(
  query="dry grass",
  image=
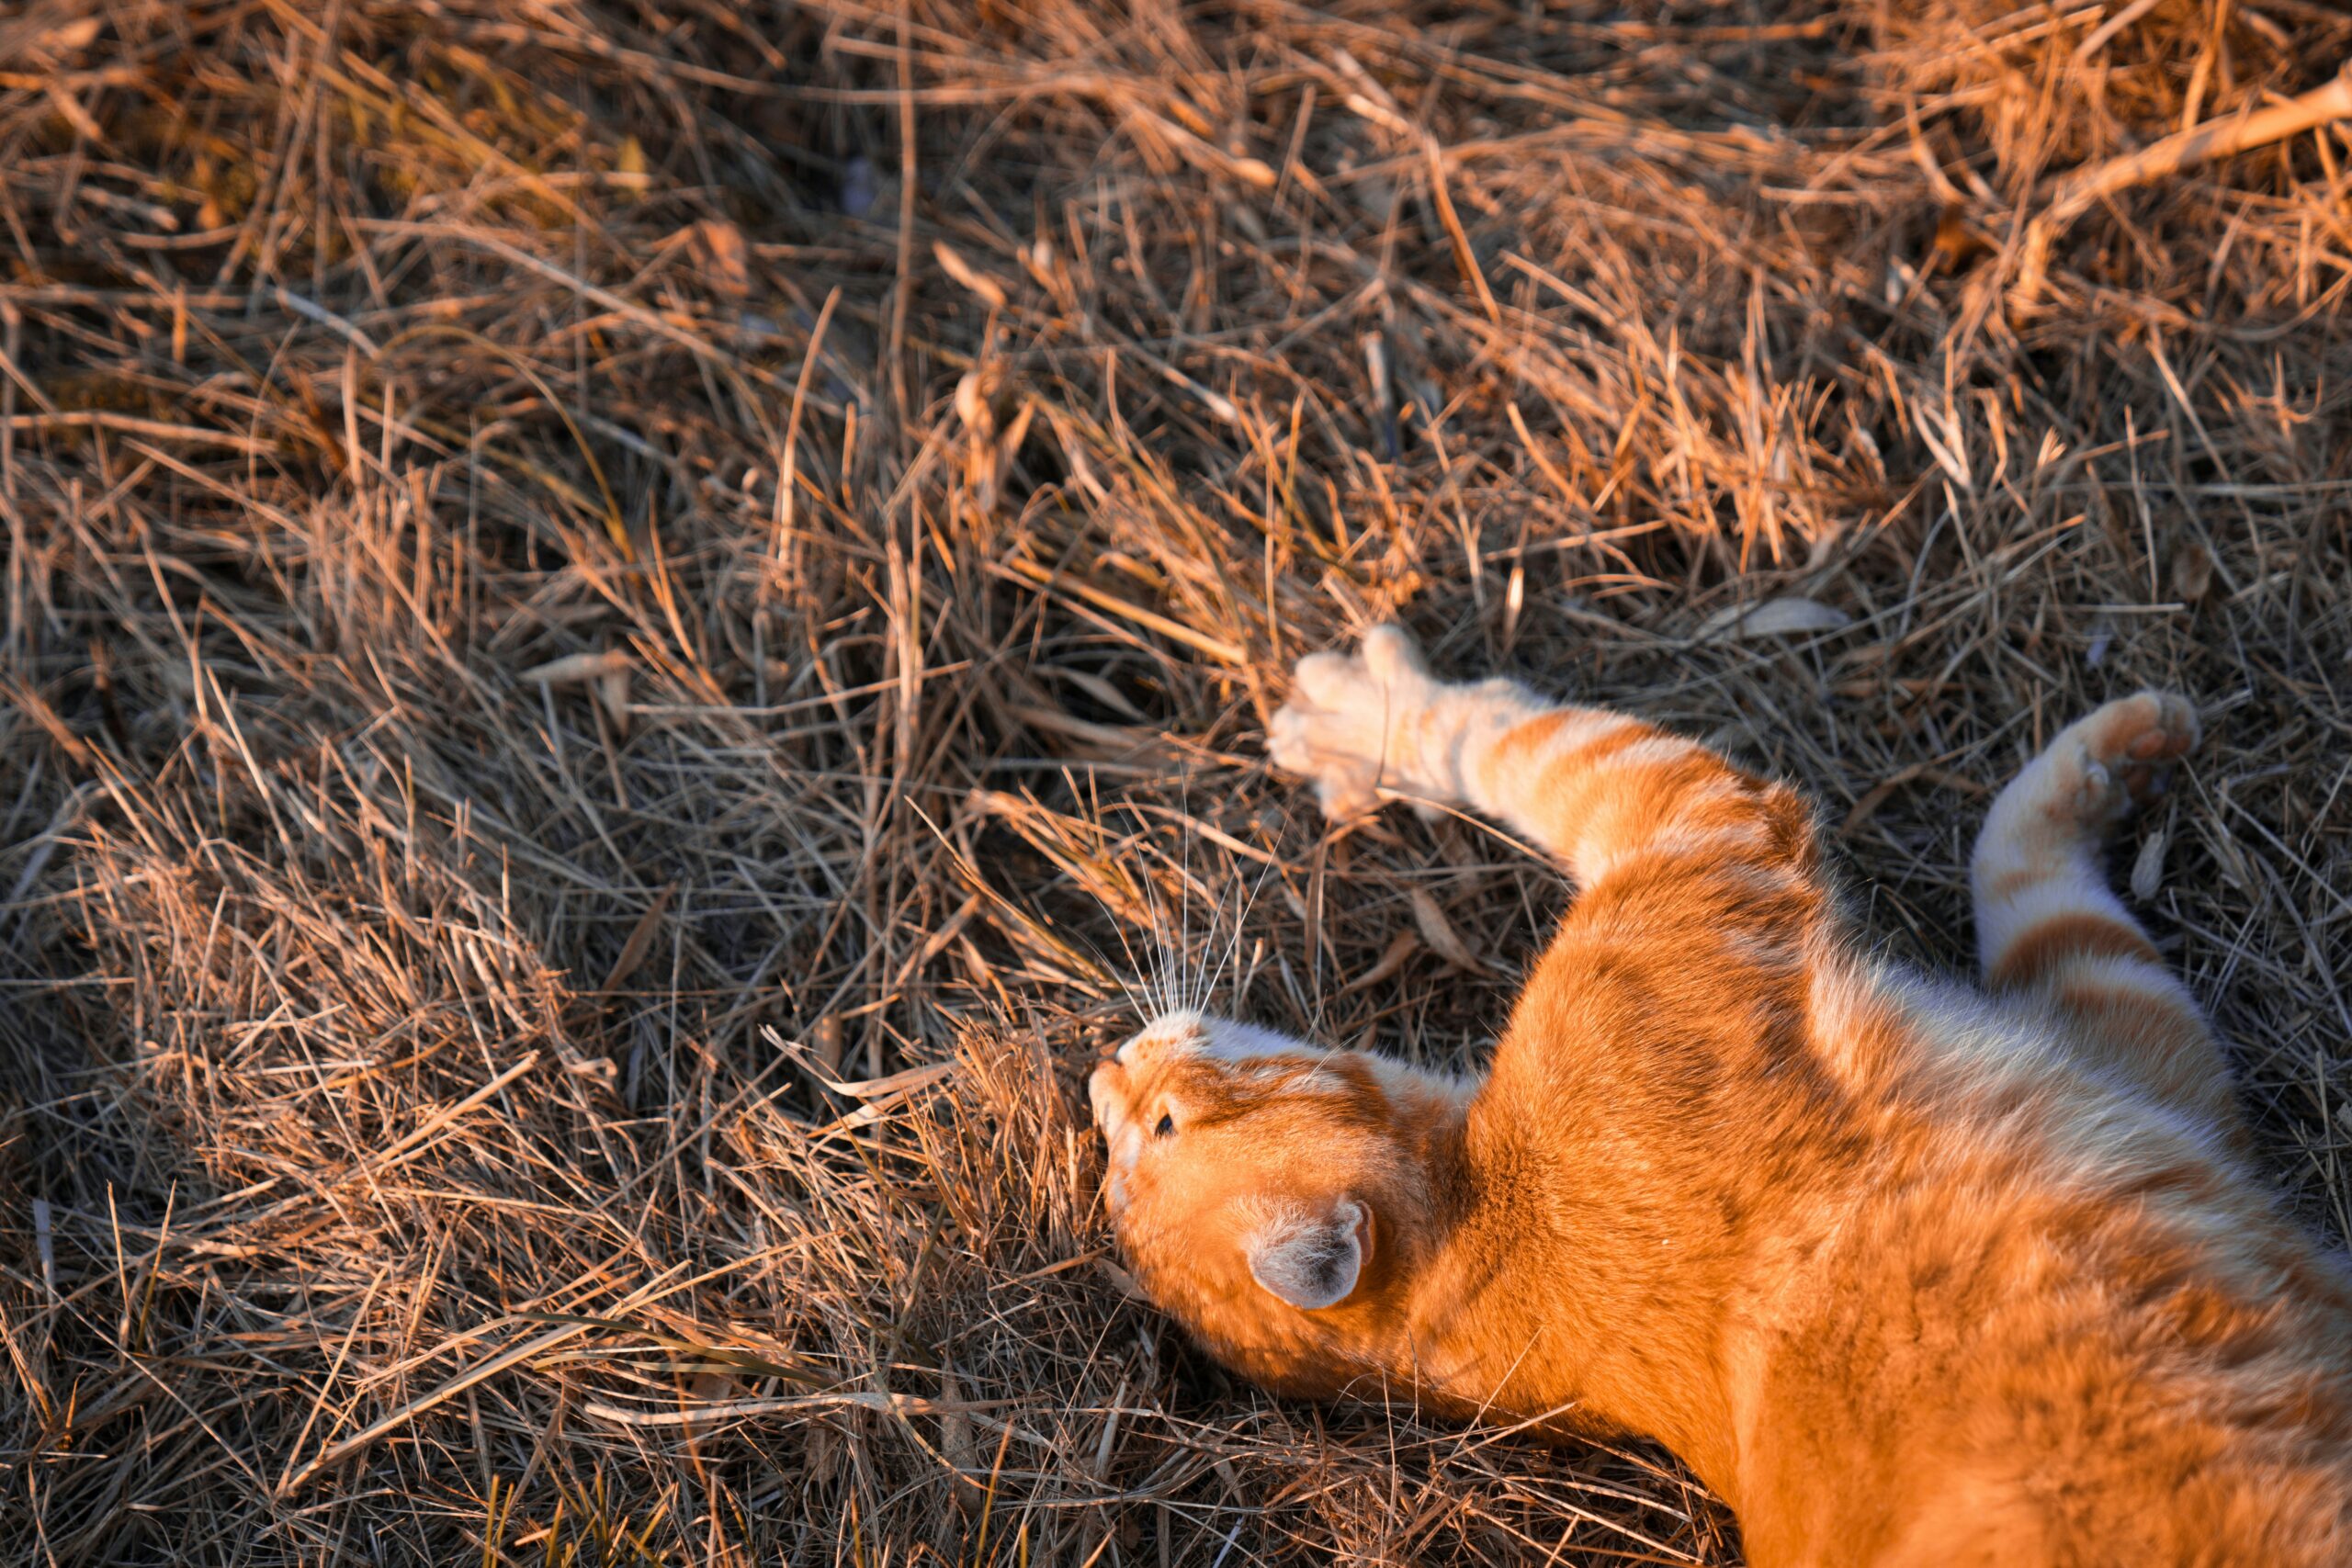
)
(555, 604)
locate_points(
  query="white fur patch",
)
(1188, 1033)
(1228, 1041)
(1726, 842)
(1402, 1079)
(1656, 749)
(2076, 888)
(1266, 1054)
(1298, 1080)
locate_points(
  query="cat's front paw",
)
(1351, 720)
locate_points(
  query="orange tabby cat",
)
(1908, 1273)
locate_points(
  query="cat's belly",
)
(2012, 1354)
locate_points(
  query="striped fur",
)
(1911, 1273)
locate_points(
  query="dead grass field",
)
(579, 573)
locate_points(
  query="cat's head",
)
(1269, 1194)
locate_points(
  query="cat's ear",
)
(1313, 1259)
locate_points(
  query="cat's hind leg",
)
(2048, 926)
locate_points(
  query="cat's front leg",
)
(1374, 724)
(1600, 790)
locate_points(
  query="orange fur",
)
(1910, 1274)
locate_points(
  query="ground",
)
(625, 626)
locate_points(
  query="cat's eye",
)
(1167, 1125)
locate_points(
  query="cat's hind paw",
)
(2117, 758)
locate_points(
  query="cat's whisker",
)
(1240, 923)
(1162, 988)
(1150, 870)
(1117, 917)
(1205, 978)
(1118, 921)
(1183, 880)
